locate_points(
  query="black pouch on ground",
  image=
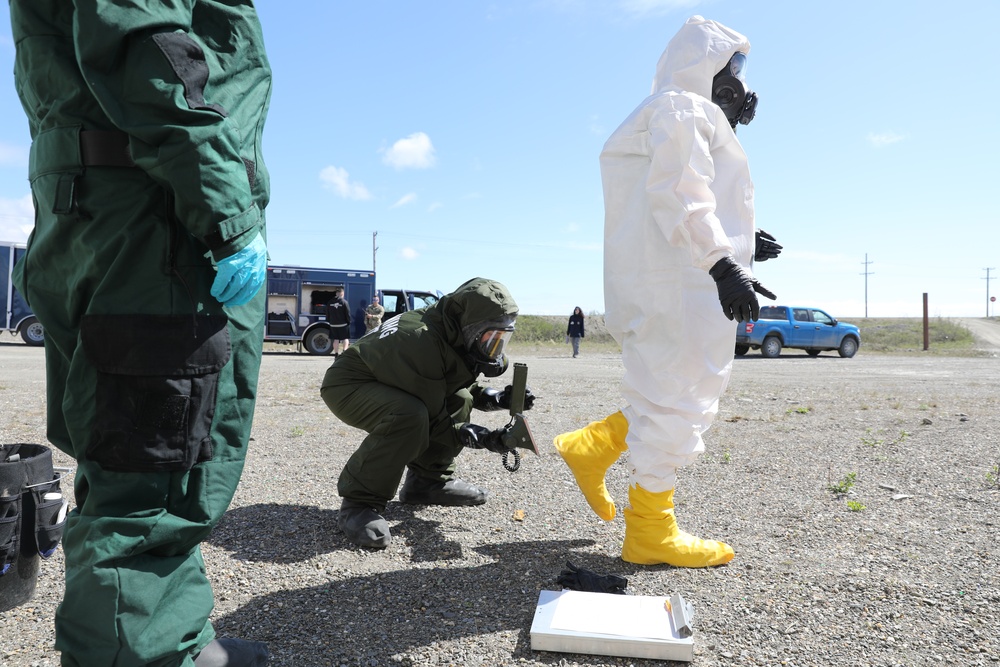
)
(31, 520)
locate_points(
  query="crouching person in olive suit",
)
(411, 384)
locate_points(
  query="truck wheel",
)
(813, 353)
(318, 341)
(848, 347)
(771, 347)
(741, 350)
(32, 332)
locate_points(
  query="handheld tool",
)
(517, 434)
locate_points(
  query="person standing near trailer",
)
(338, 314)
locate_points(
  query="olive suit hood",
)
(473, 307)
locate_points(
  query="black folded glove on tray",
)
(579, 579)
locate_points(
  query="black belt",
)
(105, 148)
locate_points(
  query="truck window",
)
(423, 300)
(772, 313)
(391, 303)
(821, 317)
(800, 314)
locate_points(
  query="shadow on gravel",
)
(278, 533)
(364, 620)
(296, 533)
(788, 354)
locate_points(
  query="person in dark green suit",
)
(145, 266)
(411, 384)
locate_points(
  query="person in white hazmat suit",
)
(679, 239)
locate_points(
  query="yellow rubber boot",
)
(652, 535)
(589, 452)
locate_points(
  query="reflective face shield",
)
(730, 92)
(485, 343)
(738, 66)
(492, 342)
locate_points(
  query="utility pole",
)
(374, 250)
(866, 274)
(988, 289)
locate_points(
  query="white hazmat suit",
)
(678, 198)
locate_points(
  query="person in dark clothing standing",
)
(338, 314)
(411, 384)
(575, 330)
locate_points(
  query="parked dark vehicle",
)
(396, 301)
(809, 329)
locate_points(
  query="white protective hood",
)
(698, 51)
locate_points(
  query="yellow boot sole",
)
(589, 452)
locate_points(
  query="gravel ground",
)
(910, 576)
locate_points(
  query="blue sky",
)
(467, 135)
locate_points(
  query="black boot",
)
(419, 490)
(363, 525)
(232, 653)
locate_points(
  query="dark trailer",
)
(297, 299)
(17, 318)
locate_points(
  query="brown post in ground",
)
(927, 340)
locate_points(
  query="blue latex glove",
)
(240, 276)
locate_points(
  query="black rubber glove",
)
(474, 436)
(490, 400)
(766, 247)
(738, 290)
(579, 579)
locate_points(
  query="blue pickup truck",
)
(808, 329)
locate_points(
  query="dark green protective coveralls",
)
(146, 122)
(410, 385)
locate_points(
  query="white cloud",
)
(17, 217)
(408, 198)
(338, 180)
(882, 139)
(16, 156)
(413, 152)
(435, 206)
(408, 253)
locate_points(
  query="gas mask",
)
(485, 343)
(730, 92)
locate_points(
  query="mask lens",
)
(493, 341)
(738, 66)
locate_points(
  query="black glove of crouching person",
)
(474, 436)
(491, 400)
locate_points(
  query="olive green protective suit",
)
(411, 384)
(146, 122)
